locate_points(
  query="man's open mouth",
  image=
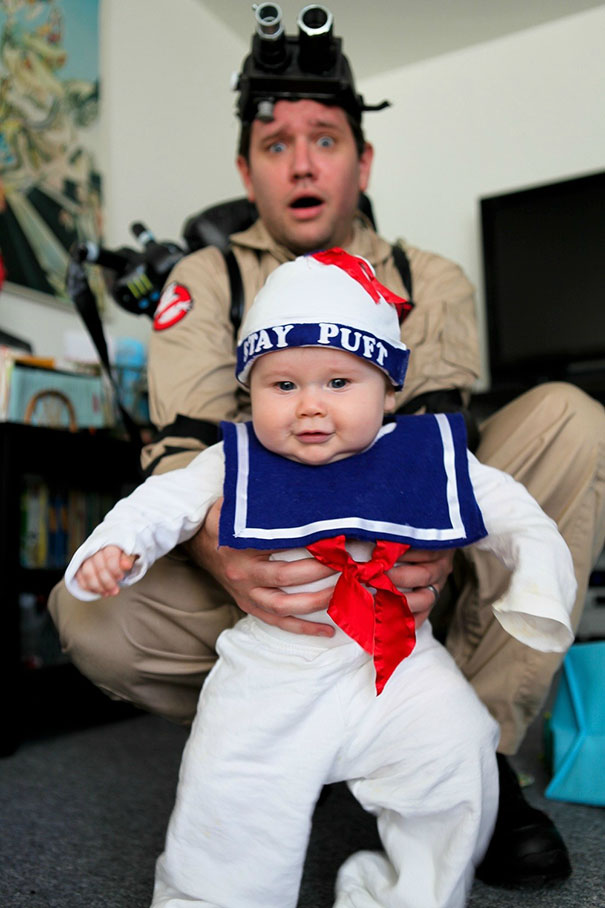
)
(306, 201)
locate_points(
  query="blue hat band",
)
(391, 360)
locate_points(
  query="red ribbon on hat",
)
(382, 623)
(363, 273)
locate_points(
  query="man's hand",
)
(422, 573)
(256, 583)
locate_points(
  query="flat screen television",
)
(544, 270)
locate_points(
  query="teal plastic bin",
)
(576, 729)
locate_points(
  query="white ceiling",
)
(379, 35)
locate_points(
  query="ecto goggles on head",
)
(308, 65)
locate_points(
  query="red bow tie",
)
(382, 624)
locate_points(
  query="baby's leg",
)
(424, 762)
(263, 739)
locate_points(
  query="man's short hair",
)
(243, 145)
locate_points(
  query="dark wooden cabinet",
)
(43, 691)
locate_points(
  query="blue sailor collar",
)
(412, 486)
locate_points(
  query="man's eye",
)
(286, 385)
(277, 147)
(337, 383)
(325, 142)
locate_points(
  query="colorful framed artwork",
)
(50, 188)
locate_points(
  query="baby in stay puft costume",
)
(318, 472)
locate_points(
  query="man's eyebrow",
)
(274, 134)
(285, 129)
(326, 124)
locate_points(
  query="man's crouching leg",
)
(154, 643)
(552, 440)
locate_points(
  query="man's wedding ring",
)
(434, 591)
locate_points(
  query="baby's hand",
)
(101, 572)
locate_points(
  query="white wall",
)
(509, 113)
(169, 112)
(503, 115)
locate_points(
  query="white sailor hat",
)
(326, 299)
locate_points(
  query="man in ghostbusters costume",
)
(154, 643)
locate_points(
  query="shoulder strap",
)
(402, 263)
(236, 289)
(86, 304)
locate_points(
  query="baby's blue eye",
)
(338, 383)
(286, 385)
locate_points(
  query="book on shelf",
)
(55, 520)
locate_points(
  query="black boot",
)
(526, 848)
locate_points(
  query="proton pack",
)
(135, 278)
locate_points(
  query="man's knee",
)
(92, 636)
(154, 643)
(581, 418)
(553, 412)
(552, 439)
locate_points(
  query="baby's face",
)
(316, 405)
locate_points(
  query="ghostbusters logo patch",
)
(175, 302)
